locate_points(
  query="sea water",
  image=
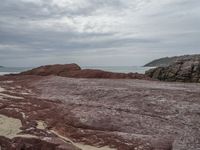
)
(9, 70)
(122, 69)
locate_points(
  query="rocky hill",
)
(166, 61)
(75, 71)
(186, 69)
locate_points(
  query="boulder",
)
(184, 70)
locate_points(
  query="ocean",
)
(122, 69)
(8, 70)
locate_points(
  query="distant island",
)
(166, 61)
(1, 66)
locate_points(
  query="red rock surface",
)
(74, 71)
(52, 70)
(123, 114)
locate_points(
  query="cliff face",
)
(184, 70)
(166, 61)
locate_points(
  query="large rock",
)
(74, 71)
(184, 70)
(52, 70)
(166, 61)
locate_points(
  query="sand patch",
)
(2, 89)
(10, 128)
(80, 145)
(41, 125)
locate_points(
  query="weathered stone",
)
(185, 70)
(115, 114)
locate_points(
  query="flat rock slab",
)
(106, 113)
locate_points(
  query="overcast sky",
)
(97, 32)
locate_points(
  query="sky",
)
(96, 32)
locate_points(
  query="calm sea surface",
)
(123, 69)
(8, 70)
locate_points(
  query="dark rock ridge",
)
(74, 71)
(184, 70)
(166, 61)
(20, 143)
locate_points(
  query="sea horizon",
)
(121, 69)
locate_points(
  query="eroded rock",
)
(184, 70)
(112, 114)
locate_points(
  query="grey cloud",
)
(39, 31)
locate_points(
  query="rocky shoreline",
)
(75, 71)
(62, 113)
(182, 70)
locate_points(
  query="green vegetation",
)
(166, 61)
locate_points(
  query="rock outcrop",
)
(166, 61)
(53, 70)
(184, 70)
(74, 71)
(89, 114)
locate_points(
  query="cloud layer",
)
(96, 32)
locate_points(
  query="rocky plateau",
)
(48, 109)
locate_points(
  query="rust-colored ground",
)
(107, 113)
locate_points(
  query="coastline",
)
(116, 69)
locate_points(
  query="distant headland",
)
(166, 61)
